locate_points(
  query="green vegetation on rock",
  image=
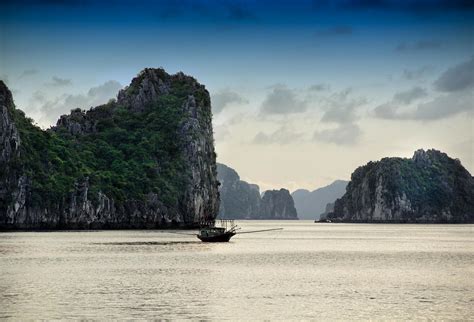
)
(430, 187)
(155, 140)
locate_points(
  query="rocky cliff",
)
(428, 188)
(146, 160)
(278, 204)
(242, 200)
(311, 204)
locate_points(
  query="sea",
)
(307, 271)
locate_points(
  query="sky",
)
(303, 92)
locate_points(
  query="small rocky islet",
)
(430, 187)
(147, 160)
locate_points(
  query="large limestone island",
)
(242, 200)
(428, 188)
(144, 160)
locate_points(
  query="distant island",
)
(144, 160)
(311, 204)
(430, 187)
(242, 200)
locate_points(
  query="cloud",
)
(456, 78)
(237, 12)
(319, 87)
(224, 98)
(458, 84)
(282, 100)
(27, 73)
(58, 82)
(418, 46)
(341, 107)
(335, 31)
(435, 109)
(444, 106)
(221, 132)
(390, 109)
(406, 97)
(417, 74)
(52, 109)
(217, 12)
(418, 6)
(281, 136)
(344, 134)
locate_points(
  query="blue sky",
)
(290, 80)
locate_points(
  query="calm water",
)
(306, 271)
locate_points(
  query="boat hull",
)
(222, 238)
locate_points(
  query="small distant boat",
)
(210, 233)
(323, 221)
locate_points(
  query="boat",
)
(210, 233)
(215, 235)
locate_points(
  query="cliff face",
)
(242, 200)
(239, 199)
(311, 204)
(278, 204)
(430, 187)
(146, 160)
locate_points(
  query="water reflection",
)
(307, 271)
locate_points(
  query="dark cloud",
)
(281, 136)
(53, 3)
(52, 109)
(406, 97)
(282, 100)
(458, 84)
(57, 81)
(419, 45)
(319, 87)
(238, 12)
(27, 73)
(335, 31)
(344, 134)
(341, 107)
(418, 73)
(417, 6)
(444, 106)
(457, 78)
(223, 11)
(224, 98)
(390, 110)
(438, 108)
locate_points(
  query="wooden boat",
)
(210, 233)
(215, 234)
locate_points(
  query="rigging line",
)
(257, 231)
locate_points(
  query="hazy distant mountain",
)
(242, 200)
(430, 187)
(311, 204)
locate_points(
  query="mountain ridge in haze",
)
(311, 204)
(242, 200)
